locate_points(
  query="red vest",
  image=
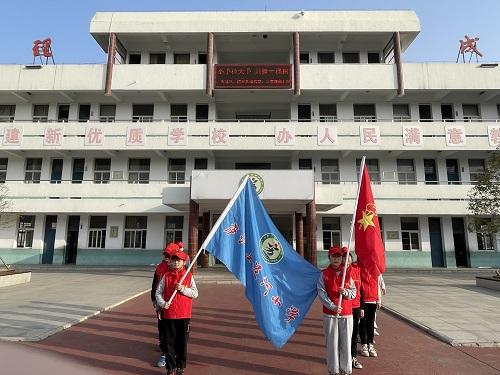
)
(356, 277)
(332, 284)
(369, 285)
(181, 305)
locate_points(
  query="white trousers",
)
(338, 333)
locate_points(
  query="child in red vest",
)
(337, 320)
(177, 314)
(369, 290)
(159, 272)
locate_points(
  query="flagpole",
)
(212, 232)
(361, 170)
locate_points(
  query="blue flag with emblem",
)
(279, 283)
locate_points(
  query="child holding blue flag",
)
(337, 320)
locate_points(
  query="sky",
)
(67, 22)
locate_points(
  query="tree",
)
(484, 199)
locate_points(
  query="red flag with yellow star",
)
(368, 246)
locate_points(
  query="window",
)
(430, 170)
(326, 58)
(452, 171)
(364, 113)
(331, 232)
(373, 58)
(476, 169)
(305, 164)
(406, 172)
(304, 57)
(138, 171)
(97, 232)
(200, 163)
(304, 112)
(498, 111)
(78, 170)
(181, 58)
(142, 112)
(4, 162)
(84, 113)
(40, 113)
(173, 229)
(25, 230)
(330, 173)
(178, 112)
(157, 58)
(447, 113)
(176, 171)
(409, 233)
(373, 169)
(107, 112)
(350, 57)
(136, 228)
(328, 112)
(485, 239)
(102, 168)
(425, 112)
(471, 112)
(7, 113)
(33, 170)
(202, 58)
(401, 112)
(63, 113)
(134, 58)
(201, 112)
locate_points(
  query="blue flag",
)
(279, 283)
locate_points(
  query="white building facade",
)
(105, 164)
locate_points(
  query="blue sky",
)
(67, 22)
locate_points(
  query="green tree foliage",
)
(484, 199)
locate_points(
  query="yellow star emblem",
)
(367, 219)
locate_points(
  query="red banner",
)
(253, 76)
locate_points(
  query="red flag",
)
(369, 246)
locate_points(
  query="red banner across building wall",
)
(253, 76)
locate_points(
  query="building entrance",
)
(49, 239)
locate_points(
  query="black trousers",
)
(356, 312)
(161, 334)
(175, 335)
(366, 324)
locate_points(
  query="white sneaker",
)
(162, 361)
(375, 332)
(371, 350)
(356, 364)
(364, 351)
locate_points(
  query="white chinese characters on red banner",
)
(219, 136)
(413, 135)
(455, 135)
(136, 136)
(177, 135)
(12, 136)
(327, 135)
(369, 135)
(53, 136)
(494, 136)
(284, 135)
(94, 136)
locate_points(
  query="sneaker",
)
(364, 350)
(375, 332)
(356, 364)
(162, 361)
(371, 350)
(179, 371)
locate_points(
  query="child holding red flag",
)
(337, 318)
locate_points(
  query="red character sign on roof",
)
(42, 48)
(469, 45)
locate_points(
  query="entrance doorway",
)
(72, 240)
(49, 239)
(436, 242)
(461, 254)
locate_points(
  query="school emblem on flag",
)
(271, 248)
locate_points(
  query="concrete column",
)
(210, 64)
(193, 231)
(111, 62)
(399, 65)
(206, 230)
(299, 233)
(311, 232)
(296, 63)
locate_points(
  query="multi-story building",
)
(104, 164)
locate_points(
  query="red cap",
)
(179, 254)
(171, 248)
(337, 250)
(180, 244)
